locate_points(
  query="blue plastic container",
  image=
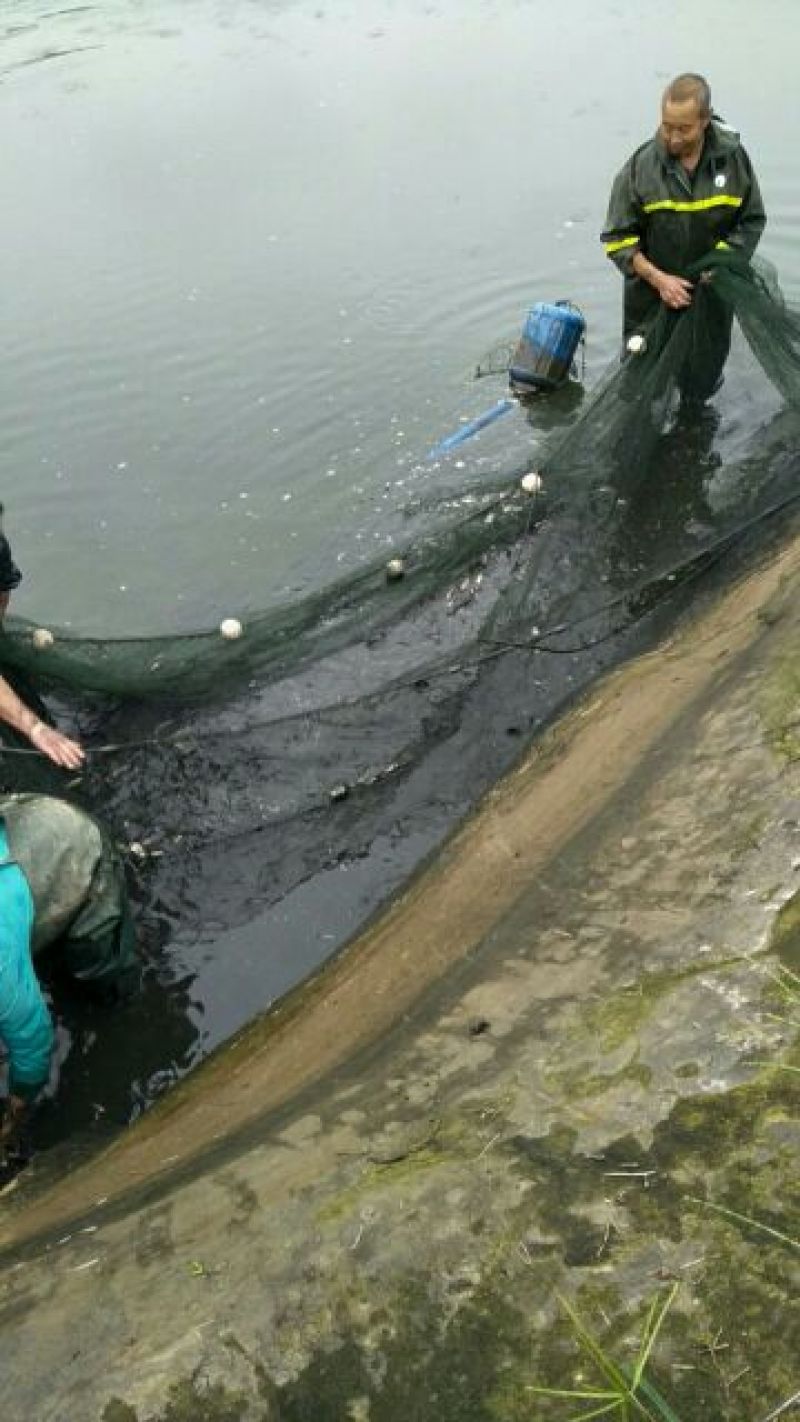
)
(550, 337)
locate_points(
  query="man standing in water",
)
(686, 192)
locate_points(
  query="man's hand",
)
(16, 1110)
(57, 747)
(675, 291)
(46, 739)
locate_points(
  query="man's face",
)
(682, 127)
(4, 598)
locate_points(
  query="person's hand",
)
(16, 1109)
(57, 747)
(675, 291)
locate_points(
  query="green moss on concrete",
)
(726, 1133)
(785, 938)
(575, 1081)
(708, 1130)
(428, 1365)
(187, 1402)
(509, 1337)
(620, 1015)
(118, 1411)
(780, 705)
(717, 1146)
(744, 1336)
(433, 1346)
(456, 1137)
(744, 836)
(715, 1358)
(570, 1191)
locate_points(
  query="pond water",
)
(252, 253)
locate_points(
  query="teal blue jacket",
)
(25, 1025)
(60, 882)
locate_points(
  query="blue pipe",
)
(466, 432)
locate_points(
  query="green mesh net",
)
(280, 640)
(286, 782)
(638, 472)
(609, 455)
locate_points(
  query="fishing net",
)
(612, 518)
(638, 471)
(337, 740)
(609, 455)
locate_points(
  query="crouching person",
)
(62, 888)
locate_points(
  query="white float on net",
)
(230, 628)
(531, 483)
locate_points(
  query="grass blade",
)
(651, 1332)
(663, 1409)
(784, 1407)
(591, 1395)
(745, 1219)
(597, 1412)
(603, 1411)
(630, 1391)
(606, 1365)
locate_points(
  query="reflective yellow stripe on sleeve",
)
(700, 205)
(723, 247)
(617, 246)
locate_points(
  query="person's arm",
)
(751, 218)
(622, 232)
(46, 739)
(675, 291)
(25, 1028)
(622, 239)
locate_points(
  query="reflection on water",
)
(252, 255)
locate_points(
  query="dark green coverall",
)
(674, 218)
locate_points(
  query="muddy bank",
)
(558, 1040)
